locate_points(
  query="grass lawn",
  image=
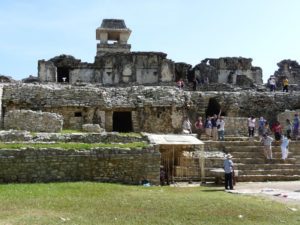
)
(97, 203)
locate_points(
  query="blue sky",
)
(188, 31)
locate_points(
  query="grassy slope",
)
(96, 203)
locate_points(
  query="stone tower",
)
(113, 35)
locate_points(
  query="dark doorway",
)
(213, 107)
(63, 74)
(122, 122)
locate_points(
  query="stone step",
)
(270, 172)
(261, 178)
(261, 160)
(241, 166)
(258, 154)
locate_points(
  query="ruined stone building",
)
(135, 91)
(114, 63)
(288, 69)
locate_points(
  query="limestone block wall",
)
(33, 121)
(47, 71)
(82, 75)
(104, 165)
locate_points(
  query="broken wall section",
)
(229, 70)
(33, 121)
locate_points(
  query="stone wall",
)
(154, 109)
(104, 165)
(227, 70)
(33, 121)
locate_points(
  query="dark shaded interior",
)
(63, 74)
(122, 122)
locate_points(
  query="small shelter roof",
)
(174, 139)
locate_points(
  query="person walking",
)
(251, 126)
(284, 147)
(208, 127)
(186, 126)
(267, 142)
(228, 169)
(199, 126)
(296, 126)
(221, 128)
(285, 84)
(288, 128)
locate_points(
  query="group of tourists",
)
(213, 127)
(272, 84)
(282, 134)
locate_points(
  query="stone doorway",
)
(122, 122)
(63, 74)
(213, 107)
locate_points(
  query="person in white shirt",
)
(186, 126)
(267, 142)
(284, 147)
(251, 126)
(221, 128)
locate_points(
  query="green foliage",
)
(72, 145)
(66, 131)
(130, 134)
(96, 203)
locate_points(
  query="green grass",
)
(66, 131)
(130, 134)
(72, 145)
(96, 203)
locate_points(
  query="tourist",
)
(228, 168)
(261, 126)
(221, 128)
(267, 129)
(208, 127)
(276, 128)
(199, 126)
(296, 126)
(186, 126)
(284, 147)
(251, 126)
(194, 84)
(214, 131)
(272, 83)
(288, 128)
(285, 84)
(180, 84)
(267, 142)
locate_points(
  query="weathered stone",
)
(108, 165)
(288, 69)
(94, 128)
(33, 121)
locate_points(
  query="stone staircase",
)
(250, 162)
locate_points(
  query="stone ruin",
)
(124, 91)
(116, 65)
(135, 91)
(288, 69)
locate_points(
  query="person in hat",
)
(228, 168)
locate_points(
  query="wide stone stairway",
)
(250, 163)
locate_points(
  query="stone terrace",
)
(250, 162)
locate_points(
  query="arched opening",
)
(122, 122)
(63, 74)
(213, 107)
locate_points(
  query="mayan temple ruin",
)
(124, 91)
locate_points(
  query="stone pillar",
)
(109, 121)
(135, 123)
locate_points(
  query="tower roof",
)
(113, 24)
